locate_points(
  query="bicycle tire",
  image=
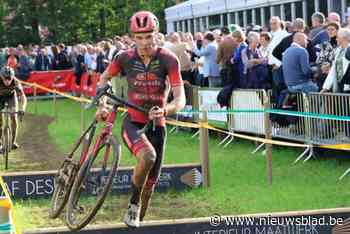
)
(69, 168)
(82, 177)
(6, 145)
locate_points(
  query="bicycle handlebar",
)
(106, 91)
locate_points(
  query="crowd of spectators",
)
(285, 55)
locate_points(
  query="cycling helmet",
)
(144, 21)
(7, 72)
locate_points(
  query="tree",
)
(71, 21)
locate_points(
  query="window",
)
(225, 18)
(233, 18)
(257, 16)
(310, 11)
(324, 6)
(198, 28)
(277, 10)
(214, 21)
(240, 18)
(267, 15)
(249, 17)
(288, 12)
(298, 10)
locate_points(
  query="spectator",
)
(160, 39)
(63, 61)
(289, 27)
(180, 49)
(3, 59)
(337, 78)
(239, 39)
(265, 39)
(100, 60)
(296, 67)
(12, 59)
(277, 36)
(55, 51)
(327, 54)
(109, 50)
(318, 34)
(347, 14)
(334, 17)
(90, 58)
(210, 68)
(225, 49)
(255, 65)
(42, 61)
(80, 66)
(217, 36)
(299, 26)
(24, 66)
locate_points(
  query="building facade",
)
(201, 15)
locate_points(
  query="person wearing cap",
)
(150, 71)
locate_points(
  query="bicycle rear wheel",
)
(66, 173)
(97, 181)
(6, 144)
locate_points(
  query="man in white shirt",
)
(277, 36)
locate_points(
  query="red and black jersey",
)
(147, 85)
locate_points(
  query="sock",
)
(136, 194)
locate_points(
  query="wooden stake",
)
(204, 151)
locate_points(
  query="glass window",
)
(324, 7)
(277, 10)
(214, 21)
(233, 18)
(258, 16)
(225, 19)
(249, 17)
(298, 10)
(240, 18)
(267, 15)
(288, 11)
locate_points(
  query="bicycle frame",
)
(107, 130)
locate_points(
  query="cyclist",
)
(11, 92)
(151, 72)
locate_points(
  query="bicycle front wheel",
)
(66, 174)
(95, 176)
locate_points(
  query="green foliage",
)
(71, 21)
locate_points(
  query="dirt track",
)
(37, 152)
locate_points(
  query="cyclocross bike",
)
(6, 132)
(88, 170)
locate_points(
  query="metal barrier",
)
(249, 122)
(292, 129)
(326, 131)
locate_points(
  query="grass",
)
(238, 179)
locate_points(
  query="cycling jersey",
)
(147, 85)
(7, 91)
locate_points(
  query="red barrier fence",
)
(63, 81)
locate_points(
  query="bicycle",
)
(78, 176)
(6, 132)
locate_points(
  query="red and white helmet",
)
(144, 21)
